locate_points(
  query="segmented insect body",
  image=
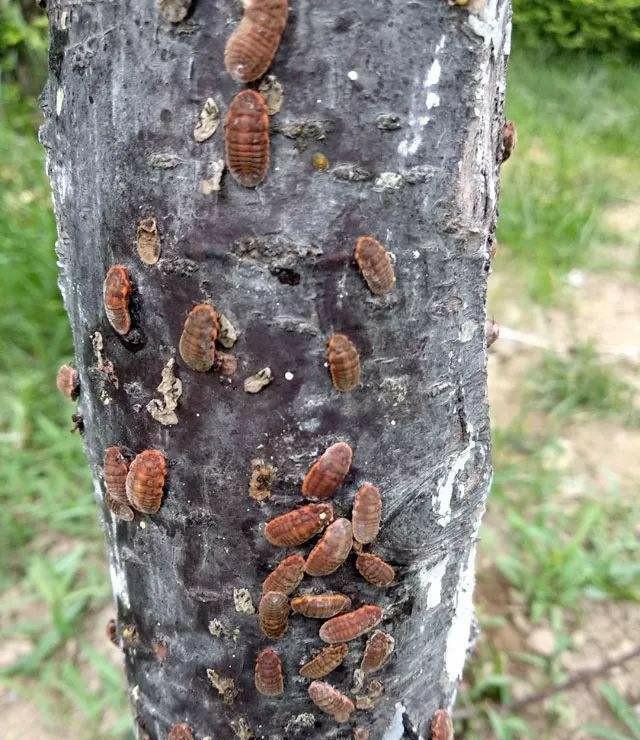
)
(299, 525)
(145, 481)
(491, 332)
(286, 577)
(320, 606)
(344, 363)
(116, 294)
(268, 676)
(332, 549)
(331, 701)
(377, 651)
(367, 511)
(198, 340)
(375, 265)
(252, 46)
(180, 732)
(509, 139)
(68, 382)
(328, 472)
(325, 661)
(441, 725)
(114, 470)
(348, 626)
(374, 569)
(112, 632)
(246, 132)
(148, 241)
(273, 613)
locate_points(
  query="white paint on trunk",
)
(431, 581)
(460, 629)
(395, 731)
(444, 494)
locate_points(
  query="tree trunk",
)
(404, 99)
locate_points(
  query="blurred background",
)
(559, 568)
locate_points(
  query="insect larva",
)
(68, 381)
(491, 332)
(441, 725)
(246, 138)
(114, 470)
(180, 732)
(299, 525)
(252, 46)
(116, 293)
(325, 661)
(331, 701)
(509, 139)
(268, 676)
(197, 343)
(374, 569)
(328, 472)
(148, 241)
(367, 511)
(348, 626)
(344, 363)
(145, 481)
(375, 265)
(320, 606)
(377, 651)
(332, 549)
(286, 577)
(273, 613)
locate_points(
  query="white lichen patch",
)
(242, 601)
(224, 685)
(59, 100)
(164, 410)
(208, 121)
(211, 184)
(222, 631)
(460, 629)
(431, 581)
(388, 181)
(444, 494)
(261, 379)
(241, 729)
(467, 330)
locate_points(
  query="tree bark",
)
(405, 100)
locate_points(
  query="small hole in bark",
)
(165, 115)
(286, 275)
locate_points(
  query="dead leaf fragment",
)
(170, 387)
(208, 121)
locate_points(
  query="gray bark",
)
(123, 97)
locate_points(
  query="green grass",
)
(580, 382)
(577, 153)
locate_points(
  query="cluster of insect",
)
(339, 536)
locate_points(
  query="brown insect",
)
(328, 472)
(226, 363)
(441, 725)
(375, 265)
(299, 525)
(68, 382)
(116, 293)
(331, 701)
(268, 673)
(348, 626)
(252, 46)
(367, 511)
(246, 138)
(263, 477)
(286, 577)
(377, 651)
(180, 732)
(509, 139)
(374, 569)
(325, 661)
(344, 362)
(197, 343)
(491, 332)
(148, 241)
(273, 613)
(145, 481)
(332, 549)
(360, 733)
(114, 470)
(112, 632)
(320, 606)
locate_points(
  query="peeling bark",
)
(402, 103)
